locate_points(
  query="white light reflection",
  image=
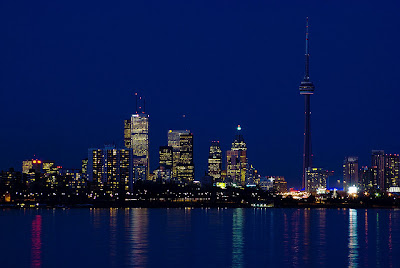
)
(237, 238)
(353, 239)
(139, 237)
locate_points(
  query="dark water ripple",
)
(200, 238)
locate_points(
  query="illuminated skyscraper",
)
(350, 172)
(185, 166)
(109, 169)
(378, 161)
(369, 178)
(136, 137)
(166, 155)
(316, 178)
(32, 169)
(34, 165)
(307, 89)
(236, 160)
(174, 142)
(280, 185)
(215, 161)
(392, 162)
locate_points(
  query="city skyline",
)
(54, 103)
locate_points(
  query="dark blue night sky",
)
(69, 70)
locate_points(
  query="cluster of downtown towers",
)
(111, 167)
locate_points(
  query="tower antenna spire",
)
(307, 89)
(307, 74)
(136, 102)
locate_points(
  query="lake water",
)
(140, 237)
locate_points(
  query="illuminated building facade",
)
(166, 157)
(307, 89)
(215, 161)
(252, 176)
(267, 183)
(378, 161)
(136, 137)
(174, 141)
(74, 179)
(369, 178)
(280, 185)
(34, 165)
(392, 162)
(32, 169)
(109, 169)
(164, 172)
(350, 172)
(316, 179)
(185, 166)
(236, 160)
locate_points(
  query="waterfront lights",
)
(352, 190)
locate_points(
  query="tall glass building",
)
(392, 162)
(109, 169)
(350, 172)
(136, 137)
(378, 161)
(236, 160)
(215, 161)
(181, 142)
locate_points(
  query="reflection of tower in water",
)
(139, 237)
(36, 250)
(322, 237)
(237, 238)
(113, 236)
(353, 239)
(306, 235)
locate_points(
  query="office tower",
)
(110, 169)
(215, 161)
(236, 160)
(252, 176)
(267, 183)
(34, 165)
(166, 155)
(280, 185)
(307, 89)
(316, 178)
(163, 173)
(378, 161)
(392, 162)
(369, 178)
(136, 137)
(185, 165)
(350, 172)
(84, 167)
(32, 170)
(174, 142)
(127, 133)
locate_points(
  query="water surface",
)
(141, 237)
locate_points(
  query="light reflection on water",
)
(199, 237)
(237, 238)
(353, 239)
(36, 249)
(138, 234)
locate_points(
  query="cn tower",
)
(307, 89)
